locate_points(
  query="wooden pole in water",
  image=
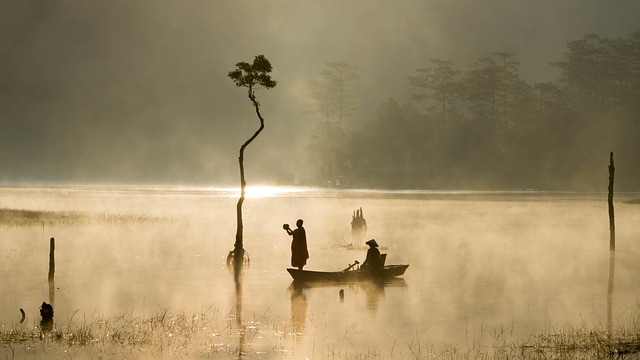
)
(612, 246)
(52, 258)
(612, 223)
(52, 270)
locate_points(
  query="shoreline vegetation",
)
(26, 218)
(211, 333)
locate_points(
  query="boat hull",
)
(389, 272)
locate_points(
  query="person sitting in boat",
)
(373, 261)
(299, 251)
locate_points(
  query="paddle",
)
(352, 265)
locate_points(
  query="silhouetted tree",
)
(252, 76)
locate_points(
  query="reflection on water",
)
(240, 327)
(298, 310)
(374, 292)
(478, 261)
(612, 269)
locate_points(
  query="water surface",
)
(480, 262)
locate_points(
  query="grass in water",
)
(210, 334)
(204, 333)
(587, 342)
(23, 217)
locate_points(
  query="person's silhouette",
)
(373, 262)
(299, 251)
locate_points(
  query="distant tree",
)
(386, 148)
(633, 69)
(333, 94)
(333, 98)
(327, 149)
(551, 103)
(494, 89)
(584, 71)
(514, 93)
(442, 83)
(252, 76)
(481, 88)
(601, 79)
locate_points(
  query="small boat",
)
(347, 275)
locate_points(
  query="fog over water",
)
(99, 95)
(137, 92)
(480, 263)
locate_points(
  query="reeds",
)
(208, 333)
(586, 342)
(156, 334)
(26, 218)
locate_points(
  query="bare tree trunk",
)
(239, 246)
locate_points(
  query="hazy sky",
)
(137, 91)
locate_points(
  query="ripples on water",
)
(478, 261)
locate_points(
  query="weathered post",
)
(612, 246)
(52, 270)
(52, 258)
(46, 310)
(612, 223)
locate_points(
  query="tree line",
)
(484, 126)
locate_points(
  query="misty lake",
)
(481, 264)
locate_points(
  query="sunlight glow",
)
(268, 191)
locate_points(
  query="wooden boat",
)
(347, 275)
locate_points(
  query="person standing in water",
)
(299, 251)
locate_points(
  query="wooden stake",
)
(612, 246)
(52, 270)
(612, 223)
(52, 258)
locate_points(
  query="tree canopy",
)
(252, 75)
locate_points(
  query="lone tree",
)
(252, 76)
